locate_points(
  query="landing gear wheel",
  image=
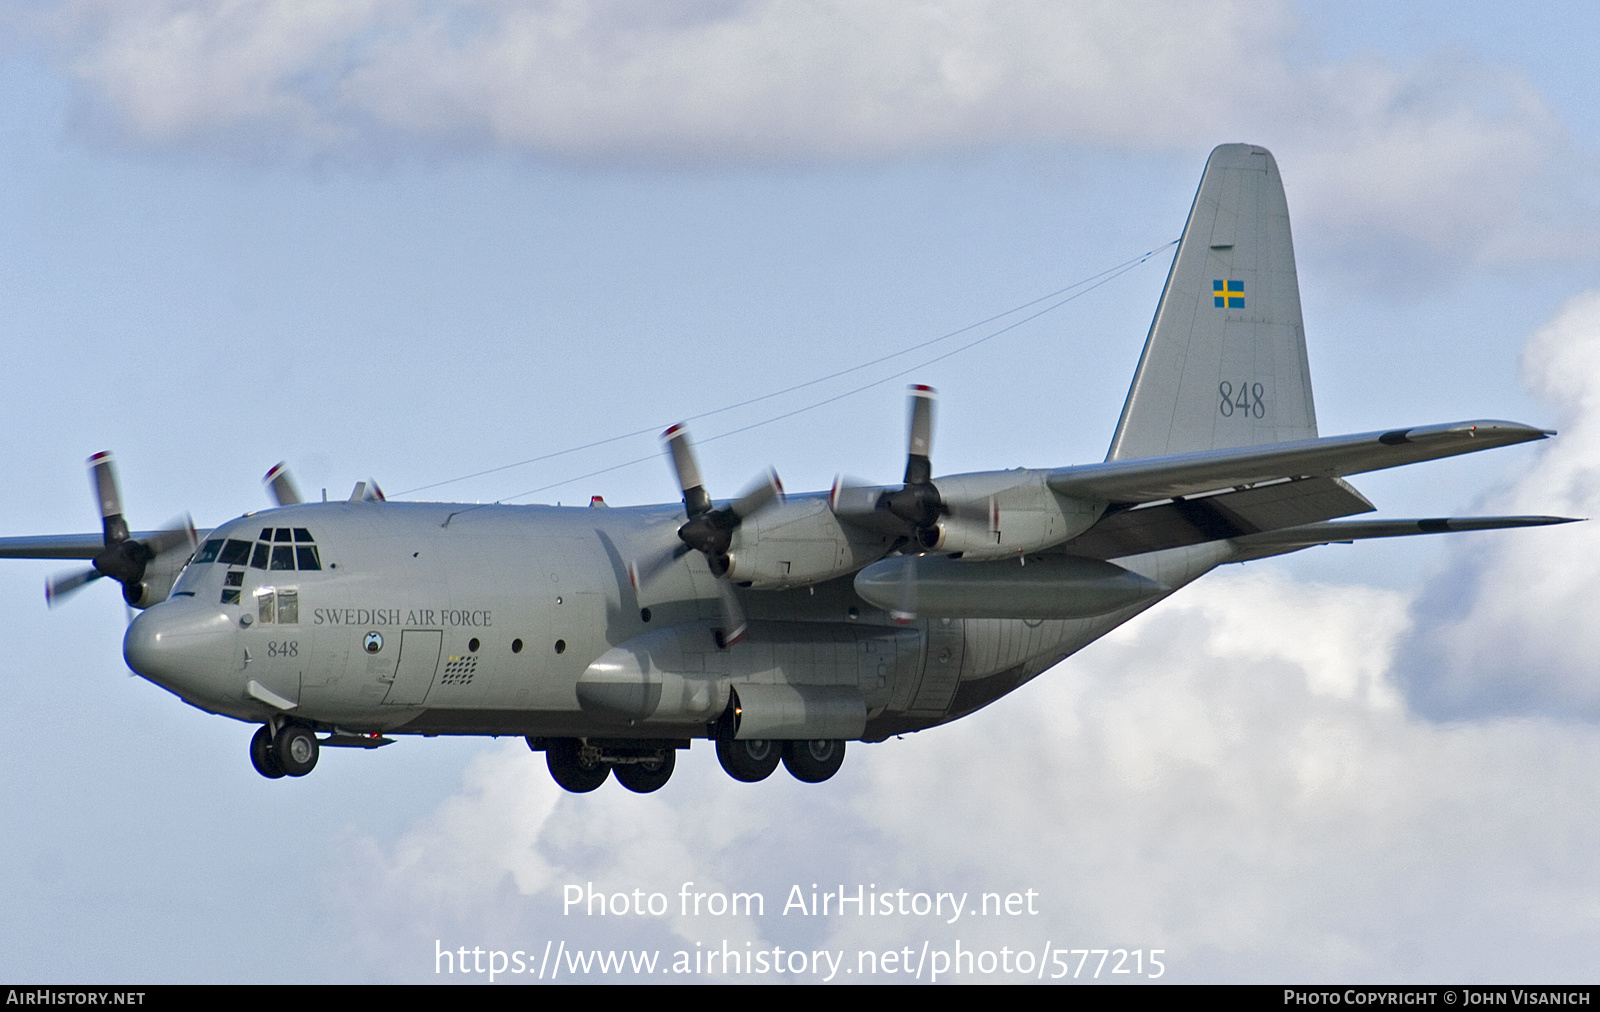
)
(642, 778)
(813, 762)
(750, 760)
(570, 769)
(295, 749)
(261, 756)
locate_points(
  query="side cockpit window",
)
(277, 604)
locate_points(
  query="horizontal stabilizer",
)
(1345, 531)
(1151, 478)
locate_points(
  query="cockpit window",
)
(280, 548)
(234, 553)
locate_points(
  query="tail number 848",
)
(1248, 400)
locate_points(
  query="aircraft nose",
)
(181, 645)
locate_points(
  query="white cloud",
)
(1439, 157)
(1510, 625)
(1229, 779)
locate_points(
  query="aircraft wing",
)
(65, 546)
(1148, 479)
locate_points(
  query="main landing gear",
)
(751, 760)
(754, 759)
(812, 762)
(291, 752)
(581, 765)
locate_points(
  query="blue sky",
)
(418, 241)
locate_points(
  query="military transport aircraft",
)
(780, 627)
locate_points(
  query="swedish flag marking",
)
(1227, 293)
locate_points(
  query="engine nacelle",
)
(800, 543)
(160, 573)
(1005, 514)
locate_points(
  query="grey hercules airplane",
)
(778, 627)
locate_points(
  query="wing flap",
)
(1183, 522)
(1151, 478)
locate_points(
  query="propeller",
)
(917, 502)
(707, 530)
(124, 558)
(915, 512)
(280, 486)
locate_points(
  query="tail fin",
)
(1225, 362)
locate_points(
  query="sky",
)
(421, 242)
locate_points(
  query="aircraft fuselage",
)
(455, 619)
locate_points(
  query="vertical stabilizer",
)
(1225, 362)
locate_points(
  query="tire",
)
(569, 769)
(261, 756)
(296, 750)
(642, 778)
(751, 760)
(812, 762)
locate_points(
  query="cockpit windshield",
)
(278, 548)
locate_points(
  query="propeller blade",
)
(281, 486)
(919, 471)
(104, 476)
(642, 571)
(59, 588)
(733, 623)
(695, 498)
(905, 605)
(984, 511)
(760, 496)
(852, 496)
(180, 533)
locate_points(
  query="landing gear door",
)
(419, 659)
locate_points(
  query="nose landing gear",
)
(261, 756)
(293, 751)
